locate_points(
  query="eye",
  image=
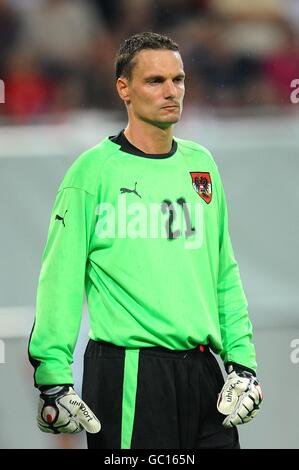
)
(155, 80)
(179, 79)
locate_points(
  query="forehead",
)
(157, 62)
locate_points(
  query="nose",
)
(170, 90)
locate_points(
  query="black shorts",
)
(154, 398)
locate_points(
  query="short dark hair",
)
(130, 47)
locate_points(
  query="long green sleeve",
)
(236, 328)
(61, 287)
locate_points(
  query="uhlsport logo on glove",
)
(240, 398)
(62, 411)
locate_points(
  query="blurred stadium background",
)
(56, 62)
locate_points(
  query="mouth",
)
(170, 106)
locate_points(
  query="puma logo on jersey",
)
(58, 217)
(126, 190)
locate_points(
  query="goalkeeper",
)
(140, 223)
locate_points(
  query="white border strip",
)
(16, 322)
(84, 130)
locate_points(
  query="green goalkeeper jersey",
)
(146, 237)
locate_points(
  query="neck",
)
(148, 138)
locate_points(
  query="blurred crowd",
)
(58, 55)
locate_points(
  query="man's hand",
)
(240, 398)
(60, 410)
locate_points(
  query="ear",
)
(122, 86)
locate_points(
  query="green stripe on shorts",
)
(129, 396)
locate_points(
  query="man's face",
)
(156, 88)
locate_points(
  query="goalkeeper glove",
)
(61, 410)
(240, 397)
